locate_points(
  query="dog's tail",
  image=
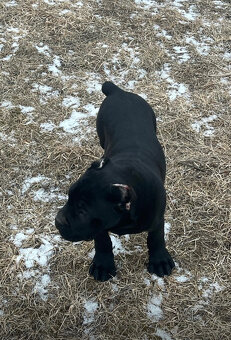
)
(109, 88)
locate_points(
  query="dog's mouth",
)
(128, 229)
(73, 238)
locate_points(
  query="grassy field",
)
(54, 57)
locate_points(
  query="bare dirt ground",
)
(54, 56)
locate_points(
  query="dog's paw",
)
(103, 267)
(161, 263)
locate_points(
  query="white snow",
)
(159, 281)
(93, 86)
(201, 47)
(91, 109)
(162, 334)
(36, 260)
(90, 309)
(26, 109)
(32, 256)
(70, 124)
(182, 278)
(178, 90)
(18, 239)
(54, 68)
(7, 104)
(182, 53)
(48, 126)
(204, 124)
(71, 101)
(8, 138)
(45, 89)
(167, 227)
(43, 49)
(65, 11)
(154, 310)
(43, 195)
(31, 180)
(117, 245)
(41, 286)
(11, 3)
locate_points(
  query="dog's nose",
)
(60, 221)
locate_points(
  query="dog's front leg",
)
(160, 261)
(103, 266)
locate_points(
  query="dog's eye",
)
(81, 209)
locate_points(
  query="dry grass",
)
(198, 182)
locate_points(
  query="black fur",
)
(123, 192)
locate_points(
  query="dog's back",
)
(127, 123)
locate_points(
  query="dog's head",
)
(94, 204)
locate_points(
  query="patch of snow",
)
(65, 11)
(49, 126)
(117, 245)
(43, 49)
(178, 3)
(7, 57)
(44, 196)
(162, 334)
(19, 238)
(41, 286)
(190, 14)
(71, 101)
(213, 288)
(54, 68)
(26, 109)
(201, 47)
(90, 309)
(114, 287)
(178, 90)
(182, 53)
(93, 83)
(162, 33)
(147, 282)
(148, 4)
(11, 3)
(92, 253)
(204, 124)
(218, 4)
(8, 138)
(167, 227)
(31, 180)
(70, 124)
(49, 2)
(227, 56)
(91, 109)
(32, 256)
(143, 95)
(154, 310)
(7, 104)
(207, 289)
(159, 281)
(175, 89)
(182, 278)
(45, 91)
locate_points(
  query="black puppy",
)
(123, 192)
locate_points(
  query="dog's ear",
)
(122, 195)
(99, 164)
